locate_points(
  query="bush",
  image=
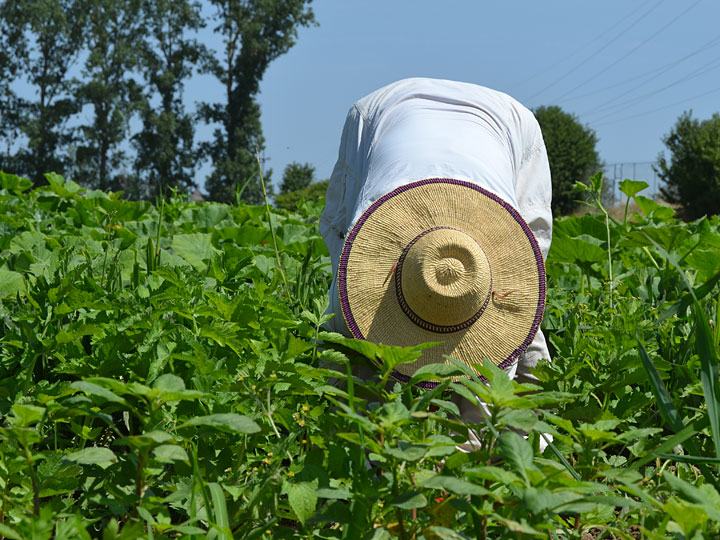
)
(571, 153)
(692, 175)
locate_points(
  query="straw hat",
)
(443, 260)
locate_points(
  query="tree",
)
(166, 154)
(571, 153)
(113, 34)
(255, 32)
(312, 192)
(43, 46)
(692, 176)
(297, 176)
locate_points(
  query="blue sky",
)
(626, 69)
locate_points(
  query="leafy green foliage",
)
(315, 192)
(297, 176)
(692, 173)
(571, 153)
(157, 380)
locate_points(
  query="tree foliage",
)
(255, 32)
(297, 176)
(166, 154)
(312, 192)
(571, 153)
(692, 173)
(113, 42)
(94, 89)
(42, 47)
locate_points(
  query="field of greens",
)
(163, 374)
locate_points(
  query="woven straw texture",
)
(443, 260)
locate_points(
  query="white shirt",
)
(416, 129)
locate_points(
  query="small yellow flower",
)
(304, 441)
(273, 376)
(291, 474)
(301, 422)
(267, 531)
(270, 454)
(229, 469)
(266, 461)
(380, 505)
(240, 378)
(253, 387)
(305, 408)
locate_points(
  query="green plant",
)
(159, 376)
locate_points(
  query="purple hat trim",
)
(342, 268)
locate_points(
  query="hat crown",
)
(444, 280)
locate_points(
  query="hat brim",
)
(373, 246)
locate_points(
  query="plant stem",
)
(34, 479)
(272, 229)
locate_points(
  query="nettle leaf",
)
(25, 415)
(302, 497)
(94, 455)
(517, 453)
(226, 422)
(435, 372)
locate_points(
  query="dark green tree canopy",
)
(166, 154)
(297, 176)
(42, 45)
(255, 32)
(571, 153)
(692, 172)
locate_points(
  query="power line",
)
(629, 103)
(631, 51)
(564, 59)
(653, 73)
(659, 108)
(598, 51)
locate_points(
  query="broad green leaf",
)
(453, 485)
(25, 415)
(94, 455)
(302, 497)
(195, 248)
(171, 452)
(333, 493)
(227, 422)
(447, 534)
(169, 383)
(407, 452)
(409, 501)
(632, 187)
(92, 389)
(11, 283)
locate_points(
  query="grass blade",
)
(705, 345)
(220, 510)
(664, 401)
